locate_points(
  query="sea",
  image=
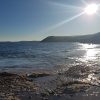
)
(46, 55)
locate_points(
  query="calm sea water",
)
(46, 55)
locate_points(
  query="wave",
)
(16, 55)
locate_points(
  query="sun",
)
(91, 9)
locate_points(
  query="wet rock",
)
(44, 94)
(78, 71)
(5, 74)
(13, 84)
(74, 88)
(12, 98)
(36, 75)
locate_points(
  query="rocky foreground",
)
(72, 84)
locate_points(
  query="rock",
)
(12, 85)
(78, 71)
(37, 74)
(5, 74)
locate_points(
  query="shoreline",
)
(72, 84)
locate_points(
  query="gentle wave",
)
(47, 55)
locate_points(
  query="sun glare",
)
(91, 9)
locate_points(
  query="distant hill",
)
(93, 38)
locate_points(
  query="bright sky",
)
(37, 19)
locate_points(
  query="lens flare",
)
(91, 9)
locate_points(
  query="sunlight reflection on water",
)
(91, 52)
